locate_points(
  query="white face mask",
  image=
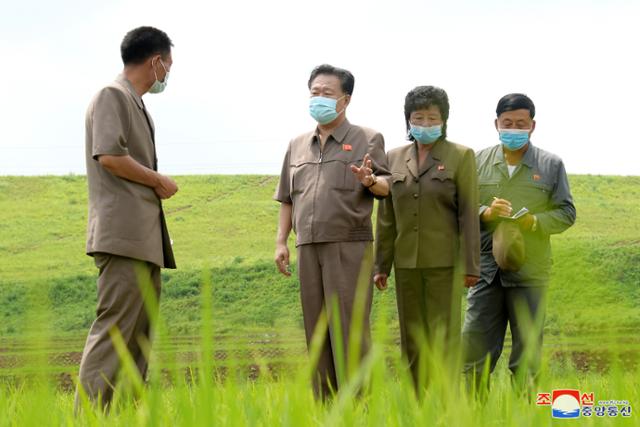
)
(159, 86)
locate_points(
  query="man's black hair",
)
(143, 42)
(347, 81)
(423, 97)
(515, 101)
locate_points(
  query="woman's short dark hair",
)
(423, 97)
(515, 101)
(143, 42)
(347, 81)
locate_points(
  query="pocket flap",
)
(398, 177)
(443, 175)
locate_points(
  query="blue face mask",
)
(159, 86)
(514, 139)
(426, 135)
(323, 110)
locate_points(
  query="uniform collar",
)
(341, 131)
(338, 133)
(434, 156)
(127, 84)
(528, 158)
(437, 149)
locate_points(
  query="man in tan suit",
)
(126, 234)
(329, 179)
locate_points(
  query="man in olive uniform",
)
(126, 234)
(514, 175)
(329, 179)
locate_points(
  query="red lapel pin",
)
(440, 167)
(536, 177)
(346, 147)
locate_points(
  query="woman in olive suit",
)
(428, 229)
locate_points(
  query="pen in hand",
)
(501, 207)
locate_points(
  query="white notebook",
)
(522, 212)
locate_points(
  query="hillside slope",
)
(226, 225)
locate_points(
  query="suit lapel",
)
(434, 157)
(429, 163)
(412, 160)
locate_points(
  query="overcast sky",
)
(237, 92)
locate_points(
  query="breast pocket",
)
(303, 175)
(442, 184)
(397, 178)
(536, 195)
(489, 190)
(402, 188)
(443, 175)
(339, 176)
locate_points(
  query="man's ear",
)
(495, 122)
(154, 59)
(533, 127)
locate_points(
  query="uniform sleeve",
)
(110, 123)
(468, 218)
(482, 207)
(562, 213)
(379, 159)
(385, 236)
(283, 191)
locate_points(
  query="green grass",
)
(289, 402)
(213, 220)
(223, 227)
(227, 224)
(202, 398)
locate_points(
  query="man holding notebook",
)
(524, 198)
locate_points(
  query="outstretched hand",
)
(364, 173)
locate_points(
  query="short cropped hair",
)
(143, 42)
(347, 81)
(423, 97)
(515, 101)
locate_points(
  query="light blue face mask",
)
(323, 110)
(158, 86)
(514, 139)
(426, 135)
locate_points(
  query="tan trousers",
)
(330, 274)
(120, 304)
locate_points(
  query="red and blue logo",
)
(570, 403)
(565, 403)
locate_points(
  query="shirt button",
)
(415, 214)
(415, 228)
(415, 195)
